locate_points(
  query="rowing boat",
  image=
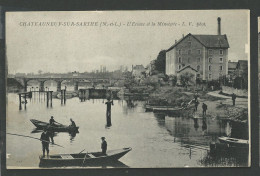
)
(54, 128)
(233, 141)
(80, 159)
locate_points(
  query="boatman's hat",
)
(52, 117)
(102, 137)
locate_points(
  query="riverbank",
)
(219, 106)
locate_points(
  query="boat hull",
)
(234, 142)
(82, 161)
(42, 125)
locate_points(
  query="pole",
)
(20, 102)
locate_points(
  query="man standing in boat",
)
(104, 145)
(45, 138)
(108, 114)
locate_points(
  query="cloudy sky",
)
(85, 48)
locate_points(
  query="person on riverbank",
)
(196, 96)
(45, 138)
(109, 103)
(73, 124)
(204, 109)
(196, 105)
(104, 145)
(51, 121)
(234, 99)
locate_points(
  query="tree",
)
(160, 61)
(40, 72)
(173, 79)
(186, 78)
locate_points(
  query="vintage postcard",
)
(135, 89)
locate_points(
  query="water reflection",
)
(146, 132)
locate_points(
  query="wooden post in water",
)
(51, 97)
(47, 98)
(20, 102)
(61, 96)
(25, 101)
(64, 92)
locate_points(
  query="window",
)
(189, 44)
(209, 67)
(221, 67)
(209, 76)
(189, 51)
(198, 59)
(179, 67)
(221, 60)
(179, 51)
(210, 60)
(210, 51)
(179, 59)
(188, 60)
(189, 38)
(198, 75)
(221, 52)
(199, 51)
(198, 67)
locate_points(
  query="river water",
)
(156, 140)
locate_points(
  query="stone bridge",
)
(24, 81)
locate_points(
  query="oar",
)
(81, 151)
(33, 138)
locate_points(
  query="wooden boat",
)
(55, 128)
(233, 141)
(80, 159)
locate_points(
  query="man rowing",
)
(52, 121)
(73, 124)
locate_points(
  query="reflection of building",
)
(208, 54)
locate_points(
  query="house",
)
(138, 71)
(208, 54)
(187, 70)
(241, 68)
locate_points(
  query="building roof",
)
(186, 67)
(138, 67)
(242, 64)
(232, 65)
(209, 41)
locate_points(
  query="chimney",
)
(175, 41)
(219, 26)
(182, 35)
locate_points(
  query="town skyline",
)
(31, 48)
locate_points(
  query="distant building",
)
(241, 68)
(137, 71)
(207, 54)
(231, 69)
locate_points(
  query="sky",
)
(63, 49)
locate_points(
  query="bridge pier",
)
(76, 86)
(41, 89)
(58, 86)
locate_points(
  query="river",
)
(157, 140)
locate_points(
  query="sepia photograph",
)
(127, 89)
